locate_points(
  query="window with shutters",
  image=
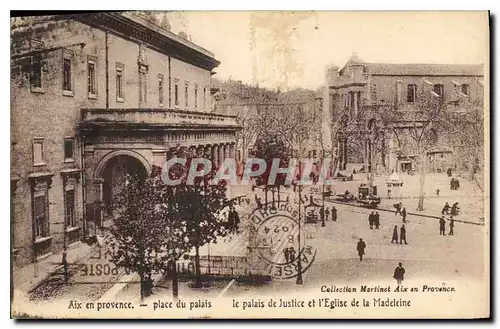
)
(69, 198)
(68, 149)
(92, 77)
(38, 156)
(36, 72)
(411, 93)
(41, 221)
(67, 73)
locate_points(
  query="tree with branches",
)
(198, 204)
(148, 234)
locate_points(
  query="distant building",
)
(94, 97)
(355, 92)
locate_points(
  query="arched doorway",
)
(116, 173)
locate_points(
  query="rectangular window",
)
(160, 89)
(40, 216)
(119, 82)
(465, 89)
(176, 94)
(91, 77)
(186, 94)
(196, 96)
(69, 198)
(36, 71)
(68, 149)
(411, 94)
(67, 85)
(439, 89)
(38, 151)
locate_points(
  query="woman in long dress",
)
(395, 234)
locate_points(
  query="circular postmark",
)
(281, 241)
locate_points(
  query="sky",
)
(292, 49)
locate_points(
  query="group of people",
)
(402, 235)
(442, 225)
(326, 213)
(454, 210)
(454, 184)
(374, 220)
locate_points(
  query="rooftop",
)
(417, 69)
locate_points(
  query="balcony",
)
(154, 119)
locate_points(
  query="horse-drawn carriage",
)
(368, 196)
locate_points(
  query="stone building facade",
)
(93, 97)
(355, 93)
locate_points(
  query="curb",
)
(409, 213)
(44, 278)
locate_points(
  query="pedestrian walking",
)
(395, 234)
(399, 274)
(377, 220)
(327, 213)
(334, 214)
(452, 224)
(437, 191)
(361, 249)
(403, 214)
(402, 235)
(442, 226)
(371, 220)
(398, 208)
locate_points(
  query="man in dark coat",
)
(395, 234)
(442, 224)
(377, 220)
(371, 220)
(327, 213)
(402, 235)
(361, 249)
(403, 214)
(334, 214)
(452, 224)
(399, 274)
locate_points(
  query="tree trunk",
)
(146, 285)
(175, 282)
(197, 267)
(472, 165)
(366, 165)
(421, 183)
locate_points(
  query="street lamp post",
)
(299, 262)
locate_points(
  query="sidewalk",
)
(31, 276)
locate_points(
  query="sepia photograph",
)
(250, 165)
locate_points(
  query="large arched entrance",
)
(116, 174)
